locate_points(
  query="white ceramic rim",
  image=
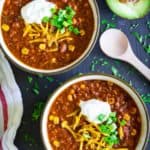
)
(27, 68)
(142, 108)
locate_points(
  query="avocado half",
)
(129, 9)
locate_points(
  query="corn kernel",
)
(69, 97)
(71, 48)
(5, 27)
(42, 46)
(25, 51)
(64, 124)
(133, 132)
(56, 143)
(72, 91)
(121, 133)
(54, 60)
(126, 117)
(82, 32)
(51, 118)
(56, 120)
(82, 86)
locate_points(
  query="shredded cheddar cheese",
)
(88, 135)
(46, 36)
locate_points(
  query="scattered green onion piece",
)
(123, 122)
(62, 19)
(53, 10)
(109, 121)
(114, 71)
(30, 79)
(101, 117)
(50, 79)
(111, 140)
(138, 37)
(146, 98)
(45, 19)
(37, 111)
(36, 91)
(36, 88)
(76, 31)
(147, 49)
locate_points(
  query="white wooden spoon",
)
(115, 44)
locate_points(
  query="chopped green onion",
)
(101, 117)
(138, 37)
(112, 127)
(50, 79)
(111, 140)
(146, 98)
(104, 129)
(37, 111)
(114, 71)
(107, 24)
(45, 19)
(62, 19)
(109, 121)
(36, 91)
(53, 10)
(109, 129)
(123, 122)
(36, 88)
(76, 31)
(30, 79)
(147, 49)
(113, 116)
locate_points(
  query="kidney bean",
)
(63, 47)
(65, 1)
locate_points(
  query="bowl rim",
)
(125, 83)
(24, 67)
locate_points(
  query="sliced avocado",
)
(129, 9)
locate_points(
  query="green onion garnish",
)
(101, 117)
(38, 108)
(123, 122)
(62, 19)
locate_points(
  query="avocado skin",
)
(130, 11)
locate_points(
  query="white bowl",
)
(135, 96)
(87, 51)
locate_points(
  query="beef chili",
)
(68, 128)
(55, 42)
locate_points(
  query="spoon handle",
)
(142, 68)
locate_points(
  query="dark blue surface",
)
(31, 129)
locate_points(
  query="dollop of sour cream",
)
(34, 11)
(93, 108)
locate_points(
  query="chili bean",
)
(126, 131)
(63, 47)
(65, 1)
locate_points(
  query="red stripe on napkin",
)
(5, 108)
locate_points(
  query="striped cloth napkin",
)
(11, 106)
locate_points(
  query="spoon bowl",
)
(115, 44)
